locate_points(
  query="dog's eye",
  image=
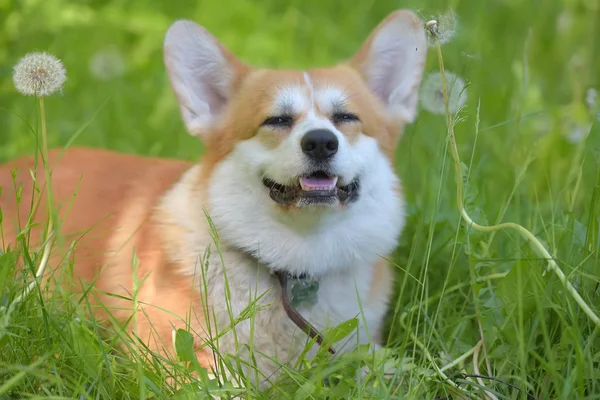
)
(339, 118)
(279, 121)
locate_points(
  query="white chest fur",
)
(339, 248)
(248, 301)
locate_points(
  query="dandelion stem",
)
(527, 235)
(49, 229)
(46, 162)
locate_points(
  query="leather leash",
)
(295, 316)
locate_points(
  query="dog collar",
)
(295, 290)
(301, 290)
(306, 291)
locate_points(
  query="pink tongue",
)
(313, 183)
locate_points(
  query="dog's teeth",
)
(314, 186)
(302, 185)
(335, 179)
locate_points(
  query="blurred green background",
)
(531, 68)
(528, 64)
(112, 50)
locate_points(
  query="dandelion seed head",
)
(591, 98)
(564, 22)
(107, 63)
(441, 29)
(432, 93)
(578, 133)
(39, 74)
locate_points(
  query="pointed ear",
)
(392, 60)
(203, 74)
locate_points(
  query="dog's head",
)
(300, 156)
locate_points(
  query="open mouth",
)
(318, 187)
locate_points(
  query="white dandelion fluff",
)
(591, 97)
(107, 63)
(432, 93)
(39, 74)
(441, 29)
(577, 133)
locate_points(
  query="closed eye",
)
(342, 117)
(279, 121)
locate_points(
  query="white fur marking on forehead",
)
(290, 98)
(310, 89)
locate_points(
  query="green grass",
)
(528, 66)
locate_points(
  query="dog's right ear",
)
(203, 74)
(392, 60)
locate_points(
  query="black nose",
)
(319, 144)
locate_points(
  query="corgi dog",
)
(297, 181)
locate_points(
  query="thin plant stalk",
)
(439, 371)
(46, 162)
(49, 196)
(527, 235)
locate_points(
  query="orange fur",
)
(106, 204)
(115, 207)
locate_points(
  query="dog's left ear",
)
(392, 60)
(203, 74)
